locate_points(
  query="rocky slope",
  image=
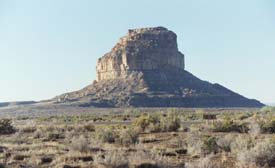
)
(145, 69)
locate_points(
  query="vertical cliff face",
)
(141, 50)
(146, 69)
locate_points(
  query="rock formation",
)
(141, 50)
(145, 69)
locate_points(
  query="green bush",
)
(157, 122)
(171, 122)
(243, 116)
(6, 127)
(128, 136)
(199, 144)
(90, 127)
(107, 135)
(228, 125)
(209, 145)
(267, 126)
(150, 123)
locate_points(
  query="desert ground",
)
(73, 137)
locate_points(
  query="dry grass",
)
(156, 140)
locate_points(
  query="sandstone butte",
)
(146, 69)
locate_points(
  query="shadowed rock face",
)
(145, 69)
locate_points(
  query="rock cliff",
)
(145, 69)
(140, 50)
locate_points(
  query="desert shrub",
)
(171, 122)
(90, 127)
(145, 158)
(55, 135)
(228, 125)
(114, 159)
(206, 162)
(157, 123)
(107, 135)
(210, 145)
(267, 109)
(199, 144)
(28, 129)
(142, 122)
(225, 142)
(194, 143)
(198, 115)
(242, 143)
(267, 125)
(261, 155)
(128, 136)
(39, 133)
(150, 123)
(80, 144)
(254, 128)
(6, 126)
(243, 115)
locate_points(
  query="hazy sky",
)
(48, 47)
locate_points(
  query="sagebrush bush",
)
(6, 127)
(150, 123)
(90, 127)
(199, 144)
(242, 143)
(267, 125)
(210, 145)
(261, 155)
(171, 122)
(54, 133)
(157, 123)
(206, 162)
(228, 125)
(114, 159)
(244, 115)
(107, 135)
(80, 144)
(225, 142)
(128, 136)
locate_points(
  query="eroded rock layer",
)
(141, 49)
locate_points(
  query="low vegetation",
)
(178, 138)
(6, 127)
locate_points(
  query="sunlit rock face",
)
(142, 49)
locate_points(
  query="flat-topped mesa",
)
(142, 49)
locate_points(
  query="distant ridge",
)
(6, 104)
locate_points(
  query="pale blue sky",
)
(48, 47)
